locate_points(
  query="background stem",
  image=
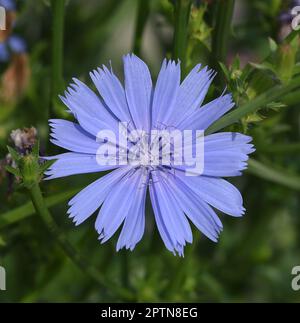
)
(57, 82)
(221, 32)
(182, 13)
(276, 176)
(142, 14)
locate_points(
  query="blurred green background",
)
(255, 51)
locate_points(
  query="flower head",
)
(15, 78)
(144, 155)
(14, 45)
(9, 5)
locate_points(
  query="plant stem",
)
(61, 239)
(141, 20)
(27, 209)
(273, 175)
(57, 82)
(221, 31)
(182, 14)
(273, 94)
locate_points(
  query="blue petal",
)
(202, 118)
(226, 154)
(134, 224)
(161, 225)
(73, 163)
(138, 88)
(17, 44)
(87, 201)
(9, 5)
(165, 93)
(4, 53)
(224, 164)
(171, 221)
(71, 136)
(199, 212)
(118, 204)
(228, 141)
(88, 109)
(112, 93)
(191, 94)
(215, 191)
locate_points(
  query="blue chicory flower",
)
(9, 5)
(14, 44)
(4, 53)
(17, 44)
(175, 197)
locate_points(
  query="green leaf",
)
(272, 44)
(275, 106)
(12, 170)
(225, 70)
(14, 154)
(263, 66)
(236, 63)
(46, 165)
(259, 82)
(36, 149)
(286, 59)
(254, 117)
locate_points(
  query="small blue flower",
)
(17, 44)
(14, 44)
(176, 199)
(9, 5)
(4, 53)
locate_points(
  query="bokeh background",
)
(258, 51)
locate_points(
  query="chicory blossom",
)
(9, 5)
(13, 45)
(177, 199)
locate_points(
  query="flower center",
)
(149, 152)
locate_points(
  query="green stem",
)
(221, 31)
(57, 82)
(273, 94)
(27, 209)
(182, 14)
(141, 20)
(263, 171)
(61, 239)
